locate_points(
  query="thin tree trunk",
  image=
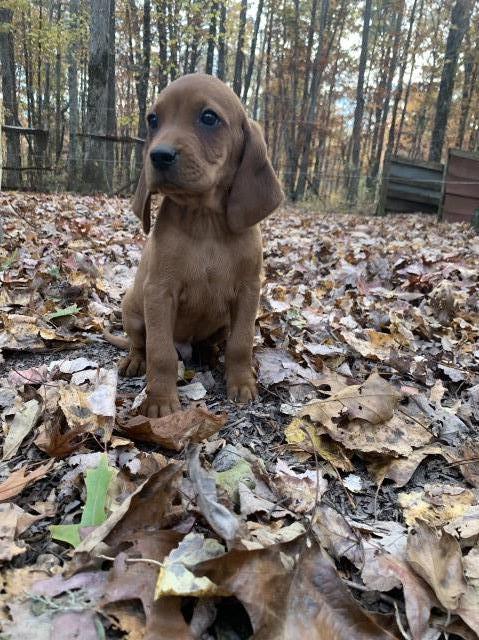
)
(359, 109)
(400, 84)
(111, 101)
(469, 84)
(387, 98)
(237, 81)
(222, 43)
(161, 20)
(409, 82)
(252, 53)
(210, 52)
(317, 74)
(12, 179)
(460, 17)
(73, 95)
(94, 173)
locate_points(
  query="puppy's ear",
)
(141, 203)
(256, 191)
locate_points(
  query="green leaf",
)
(97, 482)
(60, 313)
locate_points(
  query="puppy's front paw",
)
(159, 404)
(132, 365)
(241, 388)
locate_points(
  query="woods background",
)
(336, 84)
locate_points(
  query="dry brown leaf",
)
(148, 507)
(291, 597)
(21, 478)
(301, 490)
(374, 402)
(418, 597)
(23, 422)
(133, 581)
(174, 431)
(376, 346)
(401, 470)
(437, 505)
(437, 559)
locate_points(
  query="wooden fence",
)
(460, 202)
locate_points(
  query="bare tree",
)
(460, 18)
(359, 109)
(74, 123)
(237, 81)
(7, 56)
(94, 173)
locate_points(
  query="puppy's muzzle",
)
(163, 156)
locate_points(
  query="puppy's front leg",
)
(240, 381)
(161, 359)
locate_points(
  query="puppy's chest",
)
(209, 282)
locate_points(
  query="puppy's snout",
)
(163, 156)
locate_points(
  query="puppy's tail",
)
(118, 341)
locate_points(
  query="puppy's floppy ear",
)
(141, 203)
(256, 191)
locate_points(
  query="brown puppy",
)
(200, 269)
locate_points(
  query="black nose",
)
(163, 156)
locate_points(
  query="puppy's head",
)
(201, 146)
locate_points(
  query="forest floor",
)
(342, 504)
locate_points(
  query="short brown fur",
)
(200, 269)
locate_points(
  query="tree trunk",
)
(389, 83)
(12, 179)
(237, 81)
(359, 109)
(469, 84)
(460, 17)
(400, 84)
(161, 19)
(409, 82)
(94, 173)
(111, 101)
(73, 96)
(210, 52)
(222, 43)
(320, 61)
(173, 15)
(252, 53)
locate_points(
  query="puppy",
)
(200, 269)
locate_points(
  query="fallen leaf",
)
(292, 597)
(437, 505)
(23, 422)
(175, 577)
(148, 508)
(222, 521)
(97, 483)
(302, 490)
(193, 391)
(174, 431)
(21, 478)
(437, 559)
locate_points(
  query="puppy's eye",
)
(209, 118)
(152, 119)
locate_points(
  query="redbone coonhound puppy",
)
(200, 269)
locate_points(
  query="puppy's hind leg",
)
(134, 364)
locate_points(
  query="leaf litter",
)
(343, 503)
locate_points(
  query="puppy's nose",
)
(163, 156)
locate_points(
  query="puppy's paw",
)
(162, 404)
(132, 365)
(242, 388)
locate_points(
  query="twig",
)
(132, 560)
